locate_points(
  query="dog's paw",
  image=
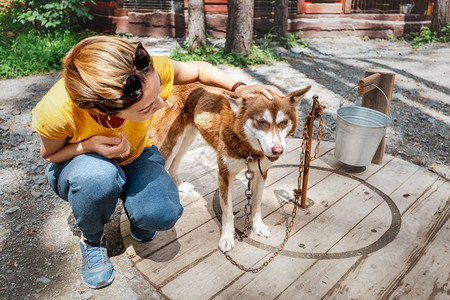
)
(261, 229)
(226, 243)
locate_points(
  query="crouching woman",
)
(93, 125)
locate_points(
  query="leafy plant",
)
(426, 36)
(268, 38)
(291, 40)
(214, 55)
(45, 15)
(445, 33)
(34, 52)
(8, 19)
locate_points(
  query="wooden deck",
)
(380, 233)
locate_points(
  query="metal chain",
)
(249, 174)
(317, 115)
(297, 192)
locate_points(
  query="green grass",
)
(35, 53)
(215, 55)
(260, 53)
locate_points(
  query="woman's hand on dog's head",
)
(248, 91)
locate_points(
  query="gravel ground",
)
(39, 252)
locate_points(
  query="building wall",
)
(160, 23)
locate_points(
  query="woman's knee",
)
(98, 177)
(157, 218)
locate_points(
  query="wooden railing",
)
(376, 6)
(267, 6)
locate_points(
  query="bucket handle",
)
(385, 97)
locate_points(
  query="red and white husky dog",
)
(234, 127)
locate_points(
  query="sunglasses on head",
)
(132, 85)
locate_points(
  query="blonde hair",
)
(94, 71)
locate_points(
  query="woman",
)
(93, 125)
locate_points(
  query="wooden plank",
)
(180, 255)
(319, 236)
(216, 8)
(429, 278)
(360, 194)
(259, 282)
(249, 284)
(268, 273)
(194, 217)
(274, 197)
(301, 7)
(268, 283)
(368, 83)
(413, 189)
(209, 276)
(249, 253)
(323, 8)
(396, 168)
(329, 161)
(368, 231)
(363, 90)
(347, 6)
(318, 279)
(371, 228)
(376, 100)
(371, 79)
(377, 274)
(334, 185)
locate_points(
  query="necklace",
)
(109, 125)
(118, 134)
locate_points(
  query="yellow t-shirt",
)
(57, 117)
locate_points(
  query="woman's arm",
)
(187, 72)
(58, 150)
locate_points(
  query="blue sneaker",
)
(141, 235)
(96, 268)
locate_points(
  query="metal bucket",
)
(359, 131)
(406, 8)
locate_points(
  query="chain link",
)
(318, 111)
(249, 174)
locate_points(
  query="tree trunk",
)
(281, 18)
(239, 26)
(441, 15)
(196, 26)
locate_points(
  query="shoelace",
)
(95, 256)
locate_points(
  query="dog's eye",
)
(284, 123)
(261, 122)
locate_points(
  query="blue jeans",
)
(92, 184)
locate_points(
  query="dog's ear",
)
(296, 96)
(234, 100)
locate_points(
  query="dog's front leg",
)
(226, 242)
(258, 226)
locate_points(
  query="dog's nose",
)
(277, 150)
